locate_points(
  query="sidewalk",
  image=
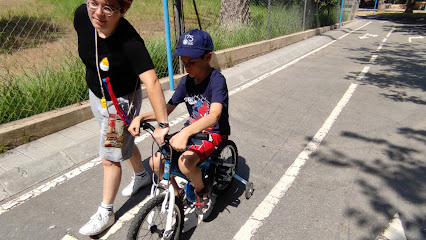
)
(31, 164)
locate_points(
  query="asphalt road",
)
(333, 142)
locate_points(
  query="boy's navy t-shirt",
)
(198, 99)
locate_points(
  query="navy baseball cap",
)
(193, 44)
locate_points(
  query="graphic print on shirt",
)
(200, 107)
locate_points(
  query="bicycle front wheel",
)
(150, 222)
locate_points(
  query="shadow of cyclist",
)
(231, 197)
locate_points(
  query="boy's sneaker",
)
(203, 206)
(135, 184)
(100, 221)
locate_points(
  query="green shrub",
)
(46, 89)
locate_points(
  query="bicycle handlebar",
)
(200, 136)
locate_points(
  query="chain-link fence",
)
(40, 69)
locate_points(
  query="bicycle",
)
(162, 217)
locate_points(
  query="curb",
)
(31, 128)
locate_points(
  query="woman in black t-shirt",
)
(104, 33)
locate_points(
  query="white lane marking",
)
(385, 39)
(418, 37)
(341, 37)
(368, 35)
(265, 208)
(390, 32)
(362, 73)
(373, 58)
(45, 187)
(395, 230)
(69, 237)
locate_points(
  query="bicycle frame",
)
(172, 169)
(169, 198)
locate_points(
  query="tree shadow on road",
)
(401, 70)
(403, 172)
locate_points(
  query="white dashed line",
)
(47, 186)
(373, 58)
(390, 32)
(362, 73)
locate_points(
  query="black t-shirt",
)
(125, 50)
(199, 97)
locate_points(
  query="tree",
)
(409, 6)
(381, 6)
(234, 12)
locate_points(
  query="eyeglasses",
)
(92, 6)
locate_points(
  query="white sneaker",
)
(135, 184)
(100, 221)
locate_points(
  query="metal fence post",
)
(375, 6)
(304, 15)
(269, 20)
(169, 47)
(179, 27)
(341, 12)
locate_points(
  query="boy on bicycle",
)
(205, 94)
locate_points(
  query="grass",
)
(3, 149)
(44, 90)
(59, 9)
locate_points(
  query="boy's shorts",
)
(101, 116)
(202, 148)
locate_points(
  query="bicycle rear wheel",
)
(227, 155)
(142, 229)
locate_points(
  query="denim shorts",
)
(101, 116)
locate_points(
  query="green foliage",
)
(61, 9)
(44, 90)
(156, 47)
(328, 17)
(3, 149)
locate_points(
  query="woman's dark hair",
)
(205, 53)
(125, 4)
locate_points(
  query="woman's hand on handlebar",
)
(135, 126)
(159, 134)
(179, 141)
